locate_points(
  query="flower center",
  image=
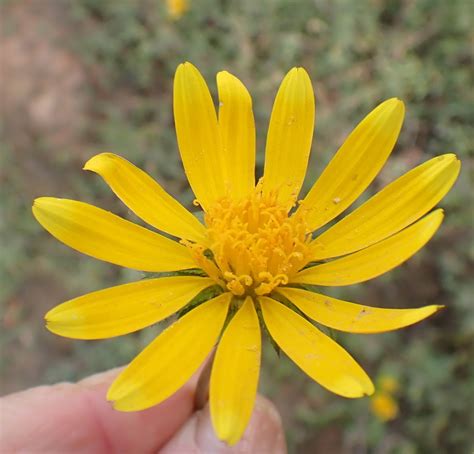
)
(255, 245)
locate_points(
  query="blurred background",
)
(85, 76)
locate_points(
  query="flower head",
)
(176, 8)
(384, 406)
(259, 259)
(383, 402)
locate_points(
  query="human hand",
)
(76, 418)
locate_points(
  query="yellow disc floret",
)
(254, 245)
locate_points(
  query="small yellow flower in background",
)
(176, 8)
(384, 406)
(388, 384)
(255, 246)
(382, 402)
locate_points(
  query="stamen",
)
(256, 245)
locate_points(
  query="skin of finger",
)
(77, 418)
(264, 434)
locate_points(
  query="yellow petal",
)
(355, 165)
(145, 197)
(170, 360)
(376, 259)
(125, 308)
(289, 137)
(237, 127)
(234, 377)
(315, 353)
(353, 318)
(198, 135)
(107, 237)
(397, 205)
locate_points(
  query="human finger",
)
(264, 434)
(75, 417)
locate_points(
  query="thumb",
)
(264, 434)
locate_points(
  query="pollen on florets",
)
(254, 244)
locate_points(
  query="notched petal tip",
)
(50, 326)
(365, 388)
(395, 102)
(49, 316)
(60, 315)
(39, 201)
(117, 405)
(450, 158)
(302, 71)
(456, 162)
(46, 201)
(231, 440)
(298, 72)
(42, 204)
(397, 107)
(227, 76)
(186, 67)
(114, 398)
(179, 70)
(227, 81)
(60, 327)
(394, 106)
(370, 390)
(438, 215)
(98, 161)
(113, 393)
(359, 389)
(56, 327)
(224, 73)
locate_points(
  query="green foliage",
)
(357, 53)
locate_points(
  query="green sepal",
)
(286, 302)
(201, 297)
(188, 272)
(235, 305)
(264, 329)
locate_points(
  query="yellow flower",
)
(384, 406)
(388, 384)
(382, 402)
(176, 8)
(255, 245)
